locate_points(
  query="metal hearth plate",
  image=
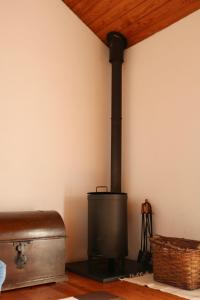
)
(99, 270)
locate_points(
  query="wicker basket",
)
(176, 261)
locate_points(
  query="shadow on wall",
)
(75, 219)
(134, 228)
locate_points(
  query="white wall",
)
(161, 130)
(54, 102)
(55, 115)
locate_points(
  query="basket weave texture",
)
(176, 261)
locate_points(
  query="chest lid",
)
(28, 225)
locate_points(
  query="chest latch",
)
(21, 258)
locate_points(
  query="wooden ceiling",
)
(136, 19)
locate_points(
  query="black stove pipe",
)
(107, 211)
(117, 43)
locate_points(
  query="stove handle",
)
(102, 187)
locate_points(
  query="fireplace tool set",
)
(144, 255)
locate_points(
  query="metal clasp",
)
(21, 258)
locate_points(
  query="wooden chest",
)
(32, 244)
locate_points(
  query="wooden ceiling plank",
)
(130, 19)
(136, 19)
(111, 10)
(143, 23)
(164, 22)
(162, 19)
(81, 8)
(70, 3)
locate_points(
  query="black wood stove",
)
(107, 211)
